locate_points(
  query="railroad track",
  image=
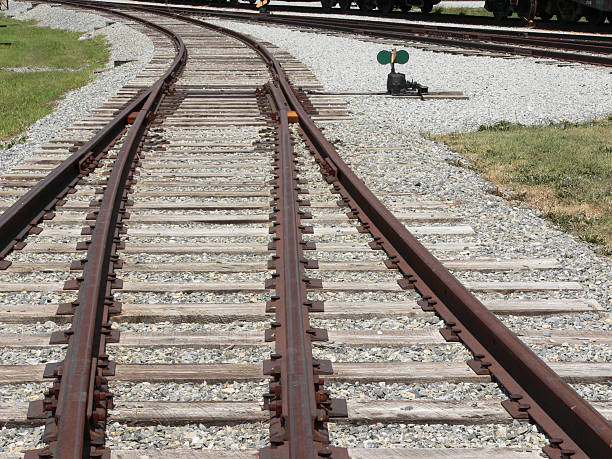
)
(414, 15)
(578, 47)
(572, 47)
(230, 224)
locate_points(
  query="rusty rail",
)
(415, 16)
(20, 220)
(524, 43)
(37, 204)
(298, 404)
(575, 429)
(78, 403)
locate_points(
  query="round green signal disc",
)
(384, 57)
(401, 57)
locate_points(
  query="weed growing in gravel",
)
(563, 169)
(14, 141)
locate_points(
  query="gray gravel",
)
(431, 391)
(388, 122)
(516, 434)
(168, 327)
(186, 392)
(23, 392)
(32, 356)
(493, 96)
(241, 436)
(398, 323)
(342, 353)
(13, 439)
(149, 355)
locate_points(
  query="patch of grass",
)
(563, 169)
(464, 11)
(33, 46)
(28, 96)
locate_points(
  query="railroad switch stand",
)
(396, 82)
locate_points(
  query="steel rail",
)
(535, 389)
(297, 428)
(556, 407)
(499, 42)
(400, 32)
(415, 16)
(549, 39)
(301, 427)
(574, 42)
(509, 42)
(21, 218)
(575, 428)
(413, 27)
(571, 423)
(78, 412)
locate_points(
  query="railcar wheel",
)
(546, 9)
(405, 6)
(427, 6)
(345, 5)
(365, 5)
(595, 17)
(386, 6)
(327, 5)
(568, 11)
(526, 9)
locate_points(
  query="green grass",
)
(28, 96)
(564, 170)
(34, 46)
(462, 11)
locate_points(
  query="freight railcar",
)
(567, 11)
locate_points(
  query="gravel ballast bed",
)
(13, 439)
(186, 392)
(502, 230)
(516, 434)
(191, 436)
(430, 186)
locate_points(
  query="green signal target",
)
(384, 57)
(401, 57)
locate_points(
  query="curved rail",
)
(21, 218)
(571, 422)
(573, 426)
(414, 15)
(77, 425)
(503, 42)
(596, 49)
